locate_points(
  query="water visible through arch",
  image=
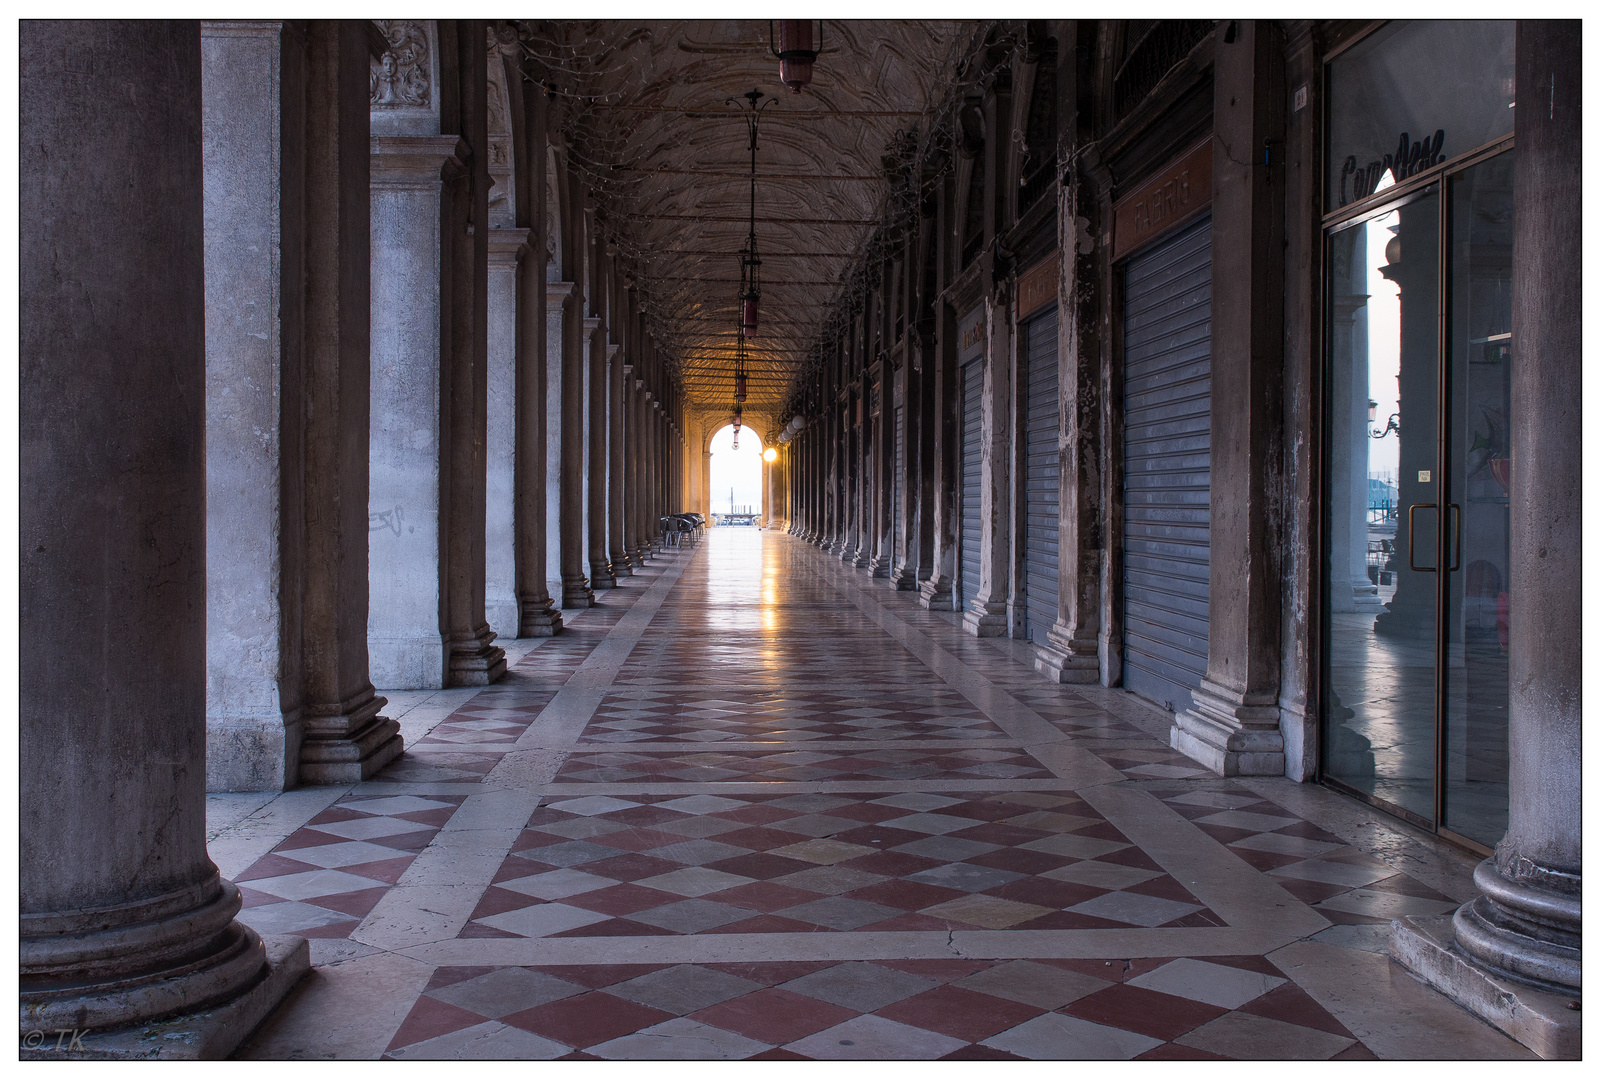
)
(736, 475)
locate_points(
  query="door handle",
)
(1411, 511)
(1456, 557)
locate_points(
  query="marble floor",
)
(757, 805)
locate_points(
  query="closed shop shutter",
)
(1041, 476)
(972, 475)
(1167, 313)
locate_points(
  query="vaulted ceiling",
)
(649, 117)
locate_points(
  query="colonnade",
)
(310, 320)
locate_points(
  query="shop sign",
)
(1037, 288)
(970, 333)
(1177, 194)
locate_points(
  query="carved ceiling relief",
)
(402, 77)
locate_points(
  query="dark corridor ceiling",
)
(647, 116)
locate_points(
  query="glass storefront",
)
(1416, 588)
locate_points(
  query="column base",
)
(476, 661)
(938, 593)
(113, 968)
(1063, 660)
(860, 559)
(1540, 1019)
(621, 565)
(600, 576)
(576, 593)
(981, 621)
(353, 759)
(539, 617)
(1407, 623)
(206, 1035)
(1232, 738)
(904, 579)
(879, 566)
(638, 555)
(349, 741)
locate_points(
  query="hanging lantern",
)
(739, 386)
(748, 305)
(737, 412)
(796, 50)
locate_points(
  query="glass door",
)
(1418, 276)
(1416, 656)
(1478, 471)
(1382, 512)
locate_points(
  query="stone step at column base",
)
(352, 758)
(1539, 1019)
(208, 1035)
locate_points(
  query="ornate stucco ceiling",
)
(648, 116)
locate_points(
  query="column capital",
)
(592, 323)
(414, 162)
(506, 246)
(557, 292)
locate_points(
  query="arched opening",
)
(736, 477)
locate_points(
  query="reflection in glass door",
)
(1417, 599)
(1479, 471)
(1384, 368)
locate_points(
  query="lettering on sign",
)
(1037, 288)
(1175, 195)
(972, 336)
(1408, 159)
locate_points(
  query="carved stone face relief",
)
(401, 78)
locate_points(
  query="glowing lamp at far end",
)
(770, 455)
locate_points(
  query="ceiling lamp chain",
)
(750, 264)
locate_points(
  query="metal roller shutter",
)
(1167, 423)
(972, 475)
(1042, 497)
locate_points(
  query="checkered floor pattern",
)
(723, 713)
(599, 866)
(325, 878)
(1178, 1008)
(860, 793)
(810, 764)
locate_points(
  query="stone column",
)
(255, 521)
(345, 738)
(1512, 954)
(882, 549)
(473, 659)
(617, 473)
(1233, 725)
(575, 590)
(851, 447)
(1071, 650)
(537, 615)
(1527, 922)
(908, 553)
(403, 627)
(501, 608)
(638, 534)
(558, 295)
(597, 430)
(124, 919)
(596, 445)
(986, 615)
